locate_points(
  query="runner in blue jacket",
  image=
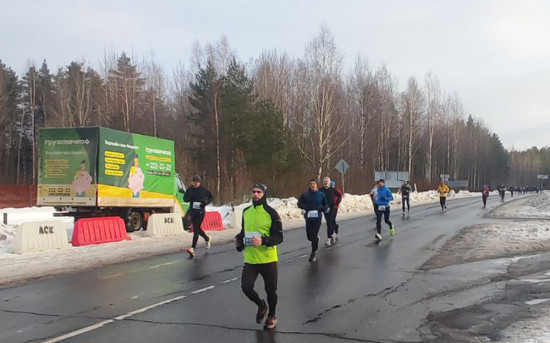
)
(383, 198)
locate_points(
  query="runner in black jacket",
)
(313, 203)
(198, 198)
(330, 194)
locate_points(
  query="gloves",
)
(327, 210)
(239, 243)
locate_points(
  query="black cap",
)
(196, 178)
(261, 187)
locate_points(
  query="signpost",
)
(445, 177)
(542, 178)
(342, 166)
(393, 179)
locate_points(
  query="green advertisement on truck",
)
(96, 170)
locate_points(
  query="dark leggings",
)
(484, 200)
(442, 202)
(197, 217)
(312, 231)
(386, 214)
(405, 199)
(329, 218)
(336, 226)
(269, 273)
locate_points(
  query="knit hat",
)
(261, 187)
(196, 178)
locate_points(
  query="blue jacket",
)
(384, 196)
(313, 201)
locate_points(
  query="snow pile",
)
(534, 207)
(17, 216)
(7, 236)
(496, 240)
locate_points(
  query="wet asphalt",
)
(356, 291)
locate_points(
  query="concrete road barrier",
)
(39, 236)
(164, 224)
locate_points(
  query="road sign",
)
(393, 179)
(542, 177)
(458, 184)
(445, 177)
(342, 166)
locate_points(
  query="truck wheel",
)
(135, 221)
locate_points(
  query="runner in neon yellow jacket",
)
(261, 232)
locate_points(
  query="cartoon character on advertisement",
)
(82, 181)
(136, 178)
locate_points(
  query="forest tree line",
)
(276, 119)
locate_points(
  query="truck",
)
(96, 171)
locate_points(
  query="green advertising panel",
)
(67, 170)
(135, 170)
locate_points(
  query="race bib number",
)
(313, 214)
(405, 196)
(196, 205)
(381, 208)
(248, 237)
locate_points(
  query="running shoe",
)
(208, 242)
(191, 252)
(270, 323)
(378, 237)
(328, 243)
(334, 238)
(312, 258)
(392, 231)
(262, 311)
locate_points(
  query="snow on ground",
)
(535, 207)
(495, 240)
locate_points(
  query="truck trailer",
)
(97, 171)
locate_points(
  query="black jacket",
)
(330, 194)
(200, 195)
(275, 232)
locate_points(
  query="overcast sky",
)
(494, 54)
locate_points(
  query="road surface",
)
(356, 291)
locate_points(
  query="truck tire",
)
(135, 221)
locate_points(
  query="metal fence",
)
(17, 196)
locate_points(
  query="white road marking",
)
(111, 276)
(81, 331)
(536, 301)
(230, 280)
(303, 256)
(288, 261)
(203, 290)
(124, 316)
(147, 308)
(535, 280)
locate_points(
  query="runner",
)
(443, 190)
(313, 203)
(383, 198)
(337, 201)
(198, 198)
(406, 190)
(372, 194)
(330, 194)
(261, 232)
(485, 194)
(502, 192)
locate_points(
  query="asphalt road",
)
(356, 291)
